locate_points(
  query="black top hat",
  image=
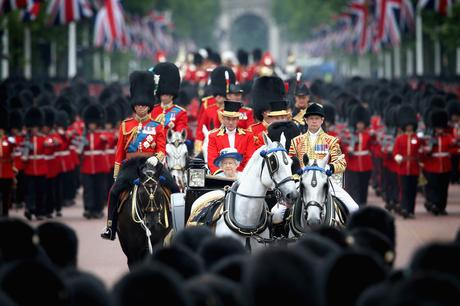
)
(142, 88)
(169, 79)
(235, 89)
(302, 90)
(231, 109)
(220, 85)
(314, 109)
(278, 108)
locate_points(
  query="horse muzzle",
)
(292, 196)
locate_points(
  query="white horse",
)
(245, 215)
(176, 156)
(317, 205)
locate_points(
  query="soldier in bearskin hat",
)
(139, 135)
(406, 153)
(221, 79)
(93, 165)
(229, 135)
(316, 144)
(437, 163)
(265, 90)
(6, 162)
(358, 155)
(34, 164)
(170, 115)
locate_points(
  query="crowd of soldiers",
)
(399, 137)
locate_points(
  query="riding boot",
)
(110, 231)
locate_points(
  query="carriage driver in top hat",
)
(316, 144)
(138, 136)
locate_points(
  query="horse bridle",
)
(273, 165)
(152, 206)
(314, 182)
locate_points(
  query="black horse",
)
(144, 210)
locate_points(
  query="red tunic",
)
(437, 158)
(6, 158)
(256, 129)
(408, 146)
(34, 162)
(173, 115)
(218, 140)
(246, 118)
(210, 119)
(205, 104)
(93, 161)
(51, 144)
(359, 158)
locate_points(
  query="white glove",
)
(153, 161)
(398, 158)
(278, 213)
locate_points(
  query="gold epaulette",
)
(181, 108)
(204, 101)
(241, 131)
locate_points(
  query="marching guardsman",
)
(221, 79)
(34, 164)
(230, 136)
(265, 90)
(316, 144)
(16, 125)
(139, 135)
(7, 172)
(235, 93)
(357, 150)
(437, 164)
(112, 124)
(63, 158)
(407, 153)
(51, 144)
(242, 74)
(93, 167)
(170, 115)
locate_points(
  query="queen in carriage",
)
(228, 161)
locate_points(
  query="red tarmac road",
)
(106, 260)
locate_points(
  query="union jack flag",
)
(7, 6)
(360, 9)
(441, 6)
(407, 16)
(66, 11)
(110, 29)
(30, 13)
(387, 14)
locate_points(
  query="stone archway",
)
(238, 12)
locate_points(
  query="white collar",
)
(314, 134)
(230, 132)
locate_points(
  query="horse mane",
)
(252, 161)
(130, 170)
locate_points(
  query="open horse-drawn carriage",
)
(235, 208)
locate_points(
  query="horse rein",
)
(266, 156)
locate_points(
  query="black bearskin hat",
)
(453, 108)
(43, 99)
(289, 129)
(360, 114)
(439, 118)
(329, 113)
(256, 55)
(218, 81)
(112, 113)
(141, 88)
(243, 57)
(169, 79)
(94, 113)
(197, 59)
(62, 119)
(34, 117)
(265, 90)
(16, 119)
(15, 102)
(3, 117)
(69, 109)
(50, 115)
(407, 116)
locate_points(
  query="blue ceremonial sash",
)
(171, 115)
(148, 129)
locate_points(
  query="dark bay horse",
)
(144, 217)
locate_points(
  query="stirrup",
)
(108, 234)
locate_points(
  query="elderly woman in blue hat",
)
(228, 161)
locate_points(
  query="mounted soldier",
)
(138, 136)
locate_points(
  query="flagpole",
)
(437, 57)
(72, 60)
(27, 53)
(397, 62)
(53, 59)
(6, 49)
(419, 41)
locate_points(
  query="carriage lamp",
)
(196, 177)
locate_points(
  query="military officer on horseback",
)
(138, 136)
(316, 144)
